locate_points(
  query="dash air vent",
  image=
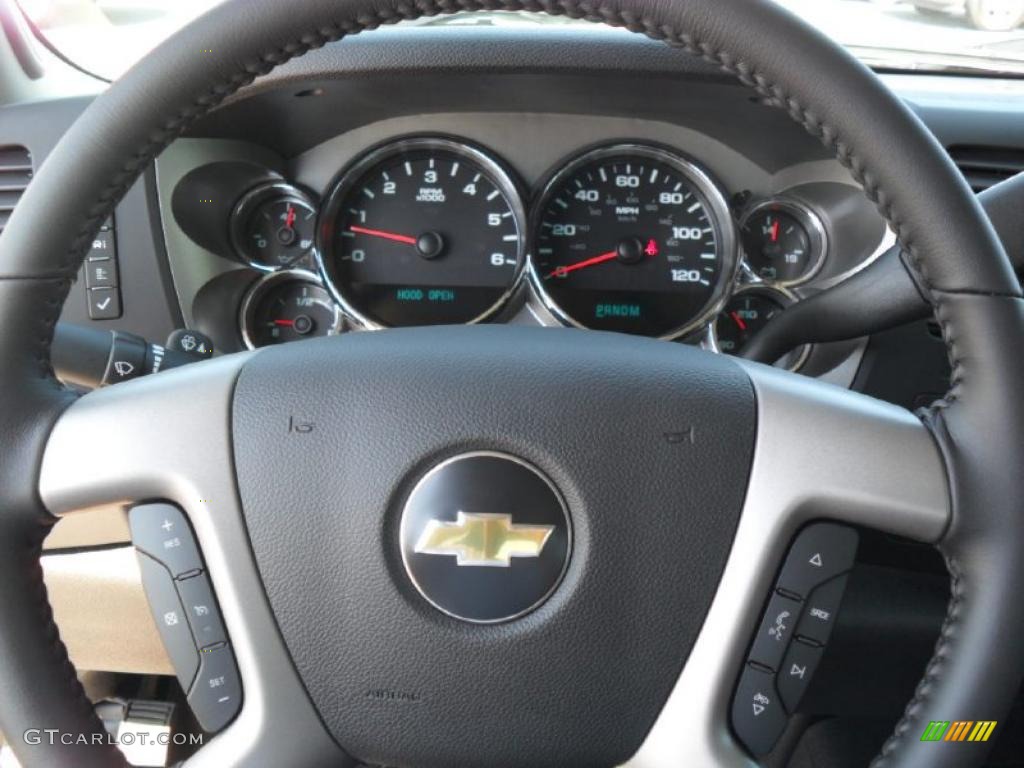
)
(15, 174)
(984, 167)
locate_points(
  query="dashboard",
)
(596, 222)
(538, 113)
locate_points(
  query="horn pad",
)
(355, 457)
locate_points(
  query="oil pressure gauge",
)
(273, 226)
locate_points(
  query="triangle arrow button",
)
(816, 560)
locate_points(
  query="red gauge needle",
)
(775, 232)
(593, 262)
(288, 323)
(384, 235)
(739, 320)
(289, 220)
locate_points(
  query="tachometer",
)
(425, 231)
(633, 238)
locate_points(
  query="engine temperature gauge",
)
(749, 311)
(273, 226)
(287, 306)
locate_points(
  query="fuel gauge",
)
(287, 306)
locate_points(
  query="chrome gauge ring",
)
(632, 238)
(785, 243)
(422, 231)
(285, 306)
(746, 312)
(272, 226)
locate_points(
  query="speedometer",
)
(425, 231)
(633, 238)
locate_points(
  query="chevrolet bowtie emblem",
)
(481, 539)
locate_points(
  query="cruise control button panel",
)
(185, 609)
(203, 616)
(163, 533)
(792, 633)
(217, 692)
(170, 619)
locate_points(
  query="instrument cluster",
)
(627, 237)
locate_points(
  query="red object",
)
(652, 248)
(288, 323)
(593, 262)
(739, 320)
(384, 235)
(775, 231)
(289, 220)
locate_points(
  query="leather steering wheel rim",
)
(978, 426)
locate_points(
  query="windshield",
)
(105, 37)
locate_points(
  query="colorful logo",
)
(483, 539)
(959, 730)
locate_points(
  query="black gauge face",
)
(274, 227)
(777, 245)
(628, 240)
(744, 316)
(426, 232)
(288, 309)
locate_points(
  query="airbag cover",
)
(649, 443)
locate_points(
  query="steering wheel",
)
(683, 475)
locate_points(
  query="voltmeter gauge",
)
(273, 226)
(784, 242)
